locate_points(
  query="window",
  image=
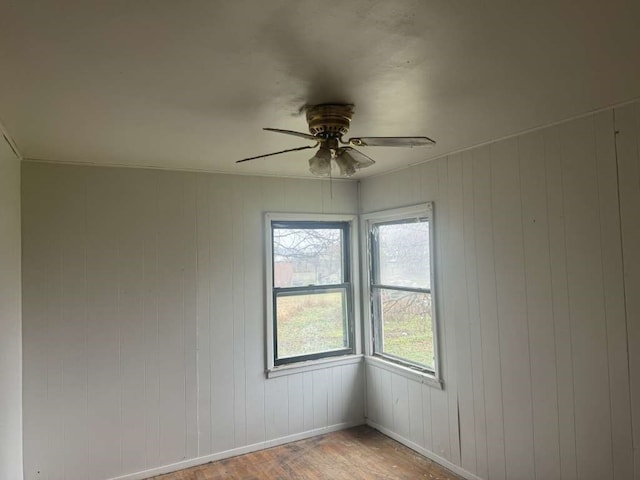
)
(310, 288)
(403, 322)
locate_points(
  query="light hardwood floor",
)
(360, 453)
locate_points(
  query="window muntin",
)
(311, 294)
(401, 273)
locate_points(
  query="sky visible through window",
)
(306, 256)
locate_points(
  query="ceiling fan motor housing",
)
(329, 120)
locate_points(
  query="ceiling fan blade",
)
(362, 160)
(308, 136)
(391, 141)
(277, 153)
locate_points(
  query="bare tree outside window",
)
(313, 256)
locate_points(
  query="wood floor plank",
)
(359, 453)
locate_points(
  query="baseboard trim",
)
(423, 451)
(234, 452)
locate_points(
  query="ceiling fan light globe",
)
(347, 164)
(320, 163)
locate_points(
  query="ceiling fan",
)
(328, 123)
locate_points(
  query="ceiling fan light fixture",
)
(347, 164)
(328, 123)
(320, 163)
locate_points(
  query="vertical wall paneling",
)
(331, 395)
(427, 428)
(415, 411)
(34, 333)
(11, 334)
(586, 300)
(377, 410)
(104, 323)
(444, 405)
(488, 315)
(512, 313)
(373, 401)
(320, 398)
(459, 316)
(144, 328)
(627, 126)
(440, 432)
(246, 428)
(539, 305)
(386, 396)
(307, 401)
(560, 303)
(353, 390)
(221, 223)
(276, 408)
(190, 308)
(203, 303)
(613, 282)
(474, 326)
(435, 402)
(348, 376)
(337, 405)
(295, 403)
(400, 405)
(173, 250)
(73, 326)
(55, 365)
(537, 267)
(131, 305)
(148, 189)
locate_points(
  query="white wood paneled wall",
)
(532, 276)
(144, 321)
(144, 326)
(627, 123)
(10, 316)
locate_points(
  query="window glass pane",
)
(403, 254)
(406, 325)
(307, 256)
(311, 323)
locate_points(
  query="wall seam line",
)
(526, 304)
(616, 133)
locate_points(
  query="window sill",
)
(311, 365)
(407, 372)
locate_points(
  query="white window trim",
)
(407, 372)
(421, 210)
(310, 365)
(289, 369)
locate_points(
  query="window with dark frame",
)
(401, 273)
(312, 290)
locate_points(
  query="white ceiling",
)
(190, 84)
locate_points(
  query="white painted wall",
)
(627, 122)
(10, 317)
(144, 321)
(144, 324)
(532, 283)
